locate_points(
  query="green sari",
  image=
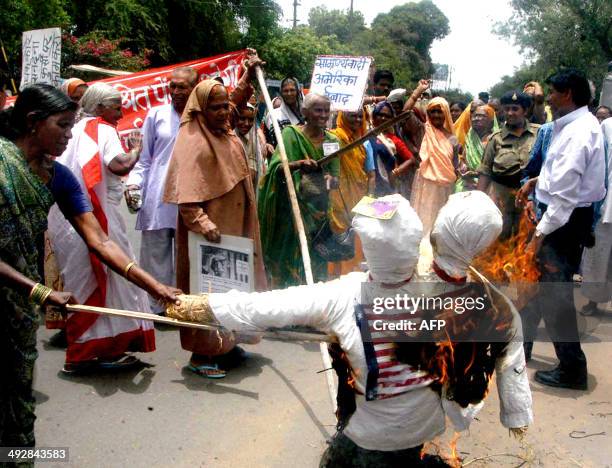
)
(279, 239)
(24, 206)
(474, 151)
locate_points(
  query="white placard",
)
(342, 78)
(220, 267)
(41, 57)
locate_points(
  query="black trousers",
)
(559, 260)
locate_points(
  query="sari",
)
(209, 179)
(24, 205)
(353, 187)
(279, 240)
(436, 175)
(474, 151)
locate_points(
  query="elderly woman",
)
(97, 158)
(305, 144)
(209, 179)
(38, 126)
(436, 175)
(484, 124)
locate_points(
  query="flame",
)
(452, 458)
(508, 261)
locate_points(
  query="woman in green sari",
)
(483, 124)
(305, 145)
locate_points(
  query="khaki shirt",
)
(507, 154)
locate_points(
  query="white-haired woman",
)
(96, 157)
(305, 145)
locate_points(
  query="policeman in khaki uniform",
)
(505, 156)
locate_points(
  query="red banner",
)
(143, 90)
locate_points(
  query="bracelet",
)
(40, 293)
(127, 268)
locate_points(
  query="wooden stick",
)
(299, 224)
(371, 133)
(284, 335)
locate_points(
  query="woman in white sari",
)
(95, 156)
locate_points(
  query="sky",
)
(478, 57)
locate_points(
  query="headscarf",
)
(465, 226)
(96, 94)
(473, 147)
(397, 95)
(353, 178)
(463, 124)
(70, 85)
(436, 150)
(380, 106)
(204, 165)
(391, 246)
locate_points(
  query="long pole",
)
(298, 223)
(375, 131)
(286, 335)
(295, 5)
(8, 67)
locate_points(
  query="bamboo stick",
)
(284, 335)
(299, 225)
(371, 133)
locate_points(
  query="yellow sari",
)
(353, 187)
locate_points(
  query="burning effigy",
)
(395, 393)
(507, 262)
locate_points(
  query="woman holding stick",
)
(30, 183)
(305, 146)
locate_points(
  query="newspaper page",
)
(220, 267)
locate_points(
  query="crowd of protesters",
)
(206, 164)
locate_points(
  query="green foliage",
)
(398, 40)
(453, 95)
(560, 33)
(94, 49)
(336, 22)
(293, 52)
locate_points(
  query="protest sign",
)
(42, 57)
(147, 89)
(144, 90)
(343, 79)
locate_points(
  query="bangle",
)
(40, 293)
(127, 269)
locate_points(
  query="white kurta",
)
(401, 422)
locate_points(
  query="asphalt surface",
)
(274, 411)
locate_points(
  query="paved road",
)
(275, 412)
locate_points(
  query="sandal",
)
(79, 368)
(210, 371)
(125, 361)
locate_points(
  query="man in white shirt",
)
(571, 180)
(156, 219)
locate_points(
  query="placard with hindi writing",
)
(342, 78)
(41, 57)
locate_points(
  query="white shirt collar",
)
(568, 118)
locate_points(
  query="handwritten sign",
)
(343, 79)
(41, 57)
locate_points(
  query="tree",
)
(336, 22)
(293, 51)
(562, 33)
(413, 27)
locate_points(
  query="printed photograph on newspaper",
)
(220, 267)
